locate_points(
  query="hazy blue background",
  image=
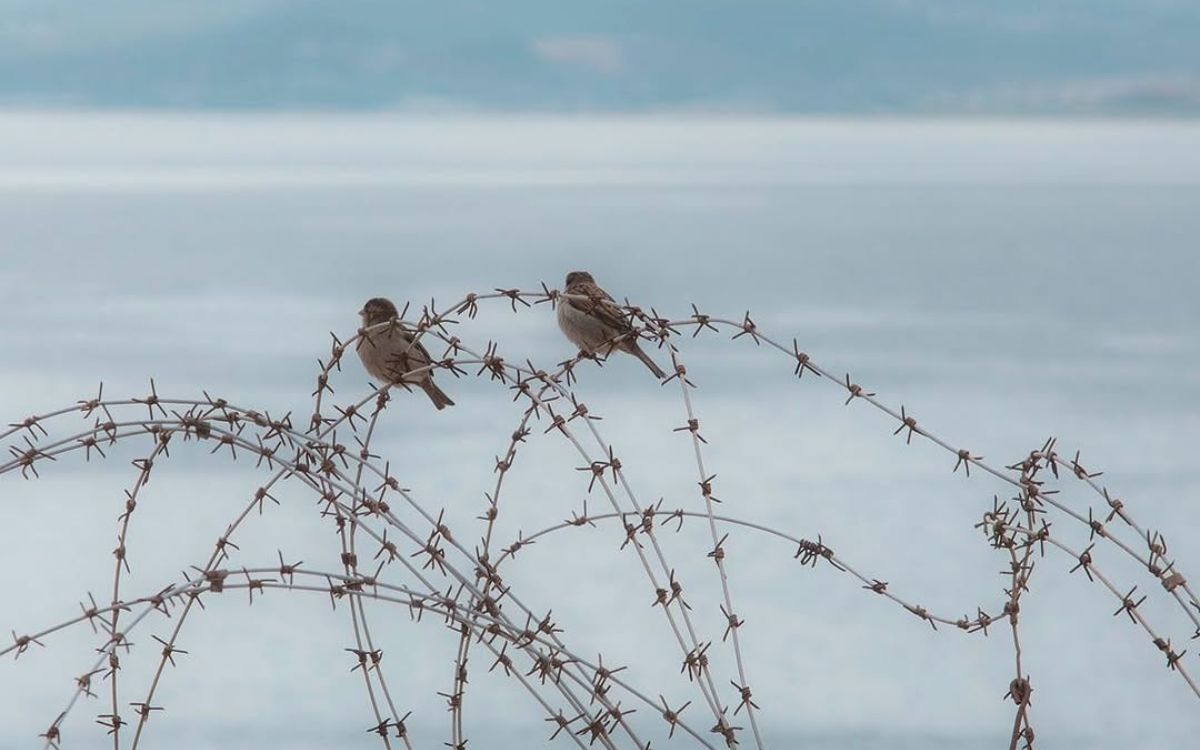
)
(1109, 56)
(200, 194)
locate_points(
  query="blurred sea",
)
(1005, 280)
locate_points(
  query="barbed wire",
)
(440, 575)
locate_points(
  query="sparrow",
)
(390, 353)
(592, 323)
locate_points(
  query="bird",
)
(391, 353)
(592, 323)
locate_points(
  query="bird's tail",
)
(436, 395)
(636, 351)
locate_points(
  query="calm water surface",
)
(1005, 281)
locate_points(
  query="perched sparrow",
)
(390, 353)
(592, 323)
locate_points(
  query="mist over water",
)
(1005, 280)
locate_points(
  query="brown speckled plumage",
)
(592, 323)
(389, 353)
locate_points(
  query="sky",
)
(874, 56)
(1003, 280)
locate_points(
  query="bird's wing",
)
(412, 354)
(600, 306)
(421, 351)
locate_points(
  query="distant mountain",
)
(856, 56)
